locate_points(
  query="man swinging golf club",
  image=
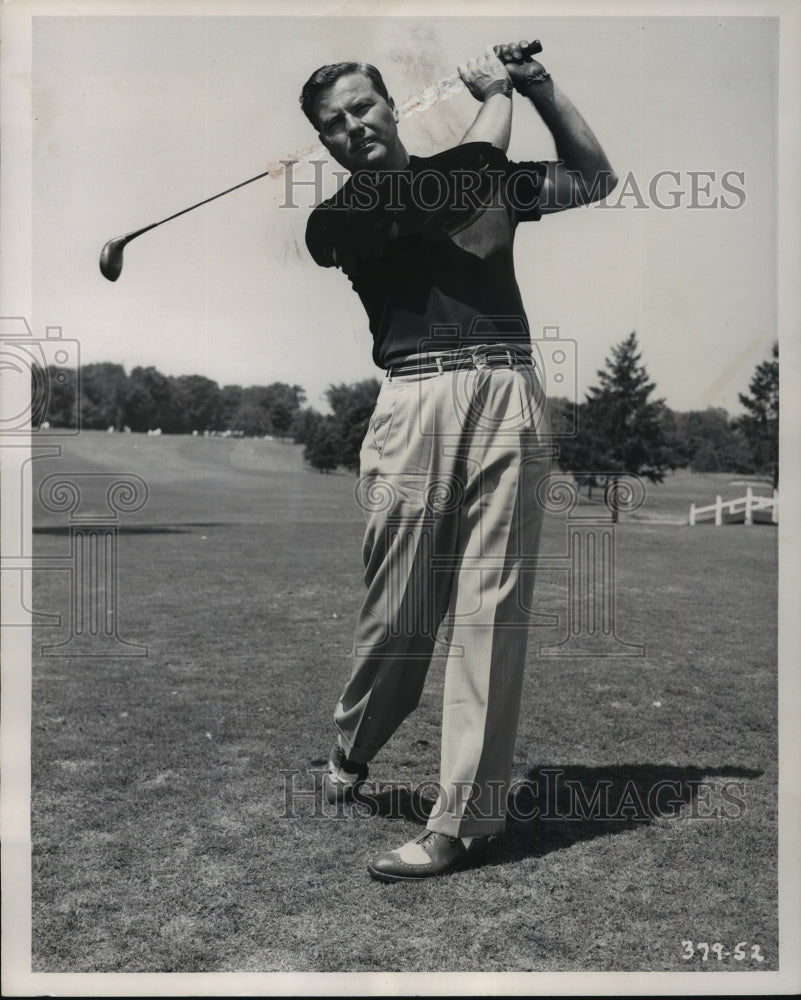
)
(458, 440)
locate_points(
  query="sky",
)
(137, 117)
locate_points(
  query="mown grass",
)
(164, 838)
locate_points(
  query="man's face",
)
(358, 127)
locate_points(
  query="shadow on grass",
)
(554, 807)
(134, 529)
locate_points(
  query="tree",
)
(252, 416)
(230, 401)
(761, 423)
(285, 402)
(103, 387)
(150, 402)
(200, 399)
(562, 416)
(352, 405)
(709, 441)
(621, 429)
(305, 424)
(53, 396)
(262, 409)
(323, 449)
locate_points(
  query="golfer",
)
(459, 439)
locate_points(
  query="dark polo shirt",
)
(429, 250)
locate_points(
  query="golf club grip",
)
(532, 49)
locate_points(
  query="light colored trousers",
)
(449, 472)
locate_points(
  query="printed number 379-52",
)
(739, 953)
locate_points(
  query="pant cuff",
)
(456, 827)
(354, 753)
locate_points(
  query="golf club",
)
(111, 254)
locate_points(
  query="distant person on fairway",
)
(458, 440)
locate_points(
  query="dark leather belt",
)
(490, 357)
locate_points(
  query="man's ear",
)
(395, 112)
(322, 140)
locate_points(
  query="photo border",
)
(15, 742)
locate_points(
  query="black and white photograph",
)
(400, 540)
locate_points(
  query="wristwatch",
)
(533, 79)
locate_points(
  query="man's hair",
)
(326, 76)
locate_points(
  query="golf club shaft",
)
(111, 254)
(452, 82)
(205, 201)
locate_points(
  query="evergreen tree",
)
(761, 424)
(621, 429)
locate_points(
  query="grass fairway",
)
(164, 837)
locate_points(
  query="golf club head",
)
(111, 254)
(111, 258)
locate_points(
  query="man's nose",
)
(353, 124)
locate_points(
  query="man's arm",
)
(488, 81)
(584, 174)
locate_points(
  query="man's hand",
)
(519, 69)
(479, 74)
(582, 173)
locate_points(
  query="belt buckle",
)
(479, 356)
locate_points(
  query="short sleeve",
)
(524, 182)
(338, 235)
(319, 237)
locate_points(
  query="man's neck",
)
(398, 161)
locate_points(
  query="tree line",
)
(147, 400)
(620, 427)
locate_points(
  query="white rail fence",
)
(750, 509)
